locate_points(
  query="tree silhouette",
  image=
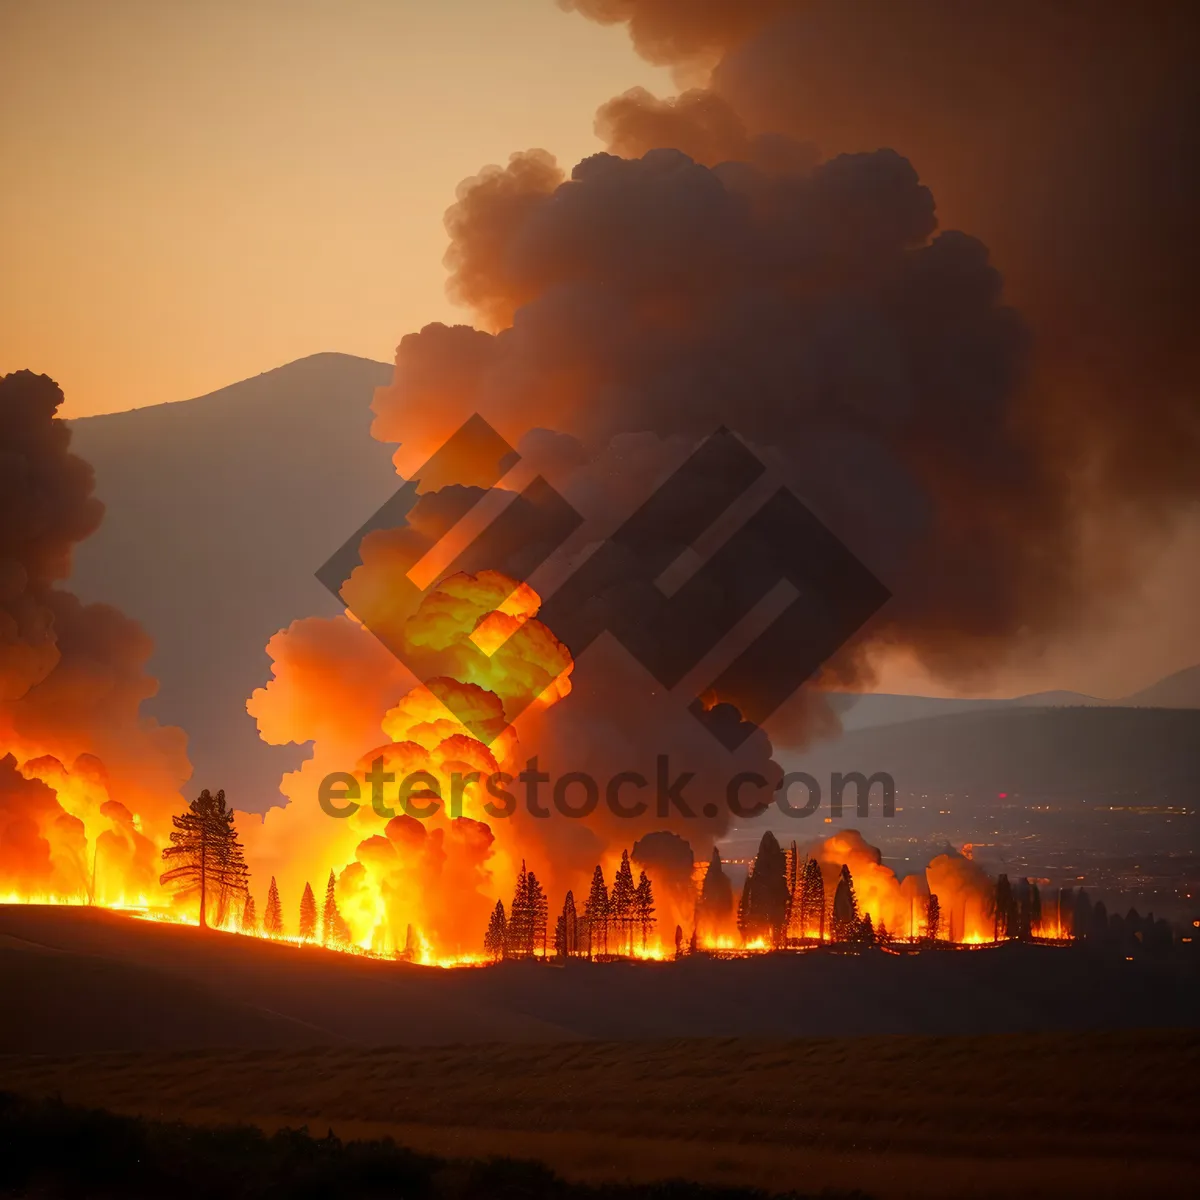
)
(844, 927)
(334, 930)
(866, 930)
(883, 934)
(595, 913)
(679, 941)
(566, 930)
(643, 906)
(765, 896)
(812, 900)
(539, 912)
(1004, 916)
(207, 856)
(273, 917)
(249, 923)
(795, 875)
(621, 905)
(716, 898)
(496, 938)
(308, 914)
(933, 917)
(518, 941)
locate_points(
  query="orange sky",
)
(197, 192)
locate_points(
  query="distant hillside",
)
(1181, 690)
(1104, 751)
(219, 510)
(865, 711)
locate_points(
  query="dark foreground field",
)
(82, 979)
(1034, 1115)
(1055, 1073)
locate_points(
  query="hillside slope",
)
(340, 998)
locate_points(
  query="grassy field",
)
(1045, 1115)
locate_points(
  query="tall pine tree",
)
(765, 898)
(496, 938)
(334, 930)
(844, 927)
(249, 916)
(206, 857)
(539, 915)
(933, 917)
(812, 901)
(518, 941)
(621, 905)
(273, 917)
(308, 914)
(569, 921)
(1004, 911)
(595, 913)
(643, 907)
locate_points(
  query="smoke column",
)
(779, 251)
(87, 784)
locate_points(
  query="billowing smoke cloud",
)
(819, 314)
(766, 253)
(1061, 133)
(86, 783)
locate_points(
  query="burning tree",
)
(765, 897)
(334, 930)
(273, 917)
(207, 856)
(643, 908)
(249, 922)
(496, 937)
(812, 899)
(933, 918)
(308, 914)
(595, 914)
(1004, 915)
(527, 918)
(845, 909)
(539, 907)
(866, 930)
(566, 929)
(621, 905)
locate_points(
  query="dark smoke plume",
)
(81, 767)
(1061, 132)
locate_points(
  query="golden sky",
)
(199, 190)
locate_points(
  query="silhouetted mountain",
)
(866, 711)
(1098, 752)
(219, 510)
(1181, 690)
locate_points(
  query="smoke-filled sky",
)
(196, 193)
